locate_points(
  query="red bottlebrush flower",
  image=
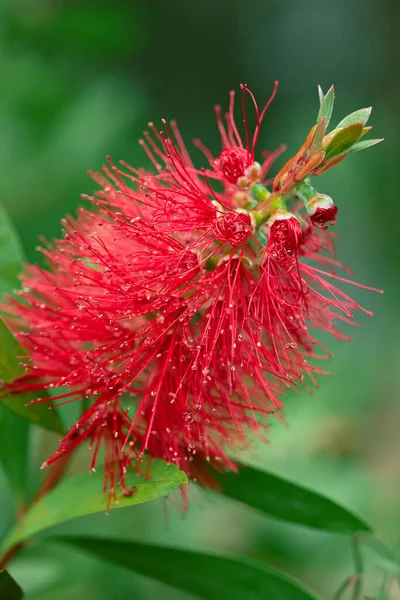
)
(181, 312)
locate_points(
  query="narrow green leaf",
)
(9, 589)
(358, 116)
(14, 430)
(11, 254)
(83, 494)
(321, 95)
(40, 414)
(326, 104)
(207, 576)
(319, 135)
(287, 501)
(342, 139)
(14, 436)
(11, 259)
(364, 144)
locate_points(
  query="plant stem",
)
(357, 589)
(346, 585)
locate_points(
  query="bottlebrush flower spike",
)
(182, 311)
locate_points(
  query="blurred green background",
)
(80, 80)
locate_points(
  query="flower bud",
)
(284, 235)
(233, 162)
(234, 227)
(321, 210)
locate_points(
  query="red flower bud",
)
(284, 235)
(322, 210)
(233, 162)
(234, 227)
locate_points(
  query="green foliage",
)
(364, 144)
(11, 254)
(11, 258)
(281, 499)
(326, 105)
(11, 353)
(342, 139)
(208, 577)
(9, 589)
(14, 438)
(81, 495)
(358, 116)
(14, 428)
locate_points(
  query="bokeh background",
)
(79, 80)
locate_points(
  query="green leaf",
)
(14, 437)
(326, 104)
(358, 116)
(11, 258)
(281, 499)
(11, 254)
(364, 144)
(207, 576)
(14, 430)
(9, 589)
(318, 135)
(342, 139)
(321, 95)
(83, 495)
(40, 414)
